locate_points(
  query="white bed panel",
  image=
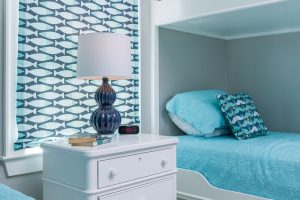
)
(192, 185)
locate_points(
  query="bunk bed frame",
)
(193, 185)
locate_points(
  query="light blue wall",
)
(188, 62)
(268, 68)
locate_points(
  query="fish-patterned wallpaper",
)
(51, 102)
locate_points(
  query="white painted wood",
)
(192, 185)
(23, 161)
(154, 191)
(113, 171)
(83, 173)
(10, 68)
(170, 11)
(23, 164)
(265, 18)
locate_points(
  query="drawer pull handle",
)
(164, 163)
(112, 174)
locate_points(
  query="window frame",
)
(27, 160)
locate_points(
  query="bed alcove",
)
(237, 51)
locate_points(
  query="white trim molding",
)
(22, 161)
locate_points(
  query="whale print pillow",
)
(242, 115)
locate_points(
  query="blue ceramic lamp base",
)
(105, 119)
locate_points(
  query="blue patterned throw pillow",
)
(242, 116)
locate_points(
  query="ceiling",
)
(268, 19)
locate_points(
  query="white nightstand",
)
(132, 167)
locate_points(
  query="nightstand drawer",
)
(123, 169)
(163, 190)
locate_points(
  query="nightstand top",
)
(120, 143)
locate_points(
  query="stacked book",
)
(83, 141)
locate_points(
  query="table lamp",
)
(104, 56)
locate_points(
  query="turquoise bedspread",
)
(267, 166)
(7, 193)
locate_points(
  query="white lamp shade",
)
(104, 55)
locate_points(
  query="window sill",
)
(23, 162)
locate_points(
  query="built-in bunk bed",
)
(238, 41)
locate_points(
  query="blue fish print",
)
(65, 117)
(78, 10)
(89, 88)
(78, 109)
(27, 16)
(38, 88)
(52, 80)
(50, 65)
(65, 73)
(39, 26)
(39, 10)
(65, 44)
(26, 79)
(52, 35)
(26, 95)
(90, 5)
(86, 116)
(66, 30)
(74, 81)
(89, 19)
(122, 19)
(67, 15)
(25, 63)
(112, 11)
(88, 102)
(41, 134)
(52, 125)
(65, 102)
(77, 95)
(66, 88)
(51, 95)
(102, 2)
(38, 72)
(70, 3)
(78, 124)
(51, 110)
(39, 41)
(101, 15)
(77, 24)
(51, 102)
(67, 131)
(37, 103)
(25, 111)
(52, 50)
(27, 32)
(38, 119)
(26, 48)
(53, 5)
